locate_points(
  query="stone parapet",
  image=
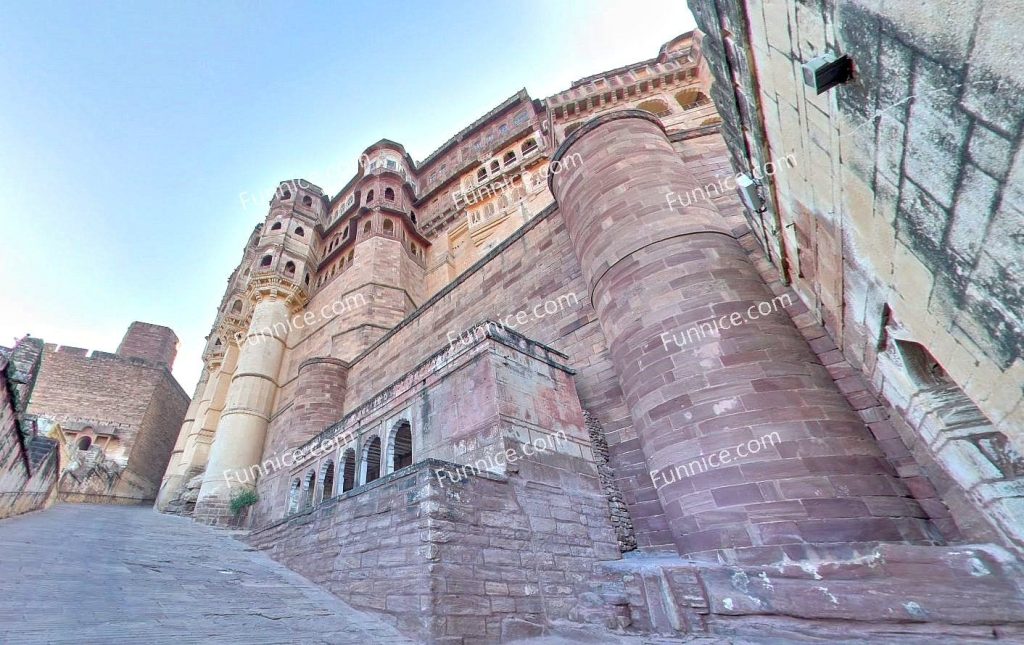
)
(486, 560)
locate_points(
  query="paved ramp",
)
(83, 573)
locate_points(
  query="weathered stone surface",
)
(126, 407)
(29, 462)
(916, 280)
(130, 574)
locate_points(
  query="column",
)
(238, 441)
(808, 471)
(319, 396)
(172, 480)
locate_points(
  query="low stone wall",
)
(867, 593)
(28, 463)
(96, 498)
(487, 559)
(23, 491)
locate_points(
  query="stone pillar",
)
(222, 368)
(174, 474)
(655, 273)
(193, 456)
(238, 441)
(319, 395)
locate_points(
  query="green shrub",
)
(242, 500)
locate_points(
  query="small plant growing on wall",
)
(243, 500)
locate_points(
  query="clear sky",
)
(129, 131)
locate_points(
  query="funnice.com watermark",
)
(547, 308)
(284, 461)
(495, 462)
(281, 329)
(496, 187)
(285, 188)
(718, 459)
(714, 326)
(724, 184)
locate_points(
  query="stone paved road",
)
(116, 574)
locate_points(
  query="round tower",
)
(319, 394)
(703, 402)
(373, 260)
(276, 288)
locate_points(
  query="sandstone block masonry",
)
(844, 522)
(29, 463)
(899, 225)
(487, 559)
(119, 413)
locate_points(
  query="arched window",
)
(287, 194)
(529, 146)
(84, 443)
(481, 174)
(351, 254)
(400, 447)
(510, 157)
(371, 461)
(412, 216)
(691, 98)
(289, 269)
(495, 166)
(389, 227)
(236, 307)
(266, 260)
(412, 248)
(310, 485)
(389, 194)
(327, 481)
(300, 232)
(348, 473)
(276, 226)
(293, 496)
(306, 280)
(369, 197)
(366, 227)
(307, 201)
(656, 107)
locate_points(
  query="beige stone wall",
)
(150, 452)
(29, 460)
(130, 409)
(899, 209)
(74, 385)
(873, 196)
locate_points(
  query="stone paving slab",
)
(83, 573)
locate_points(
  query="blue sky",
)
(129, 130)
